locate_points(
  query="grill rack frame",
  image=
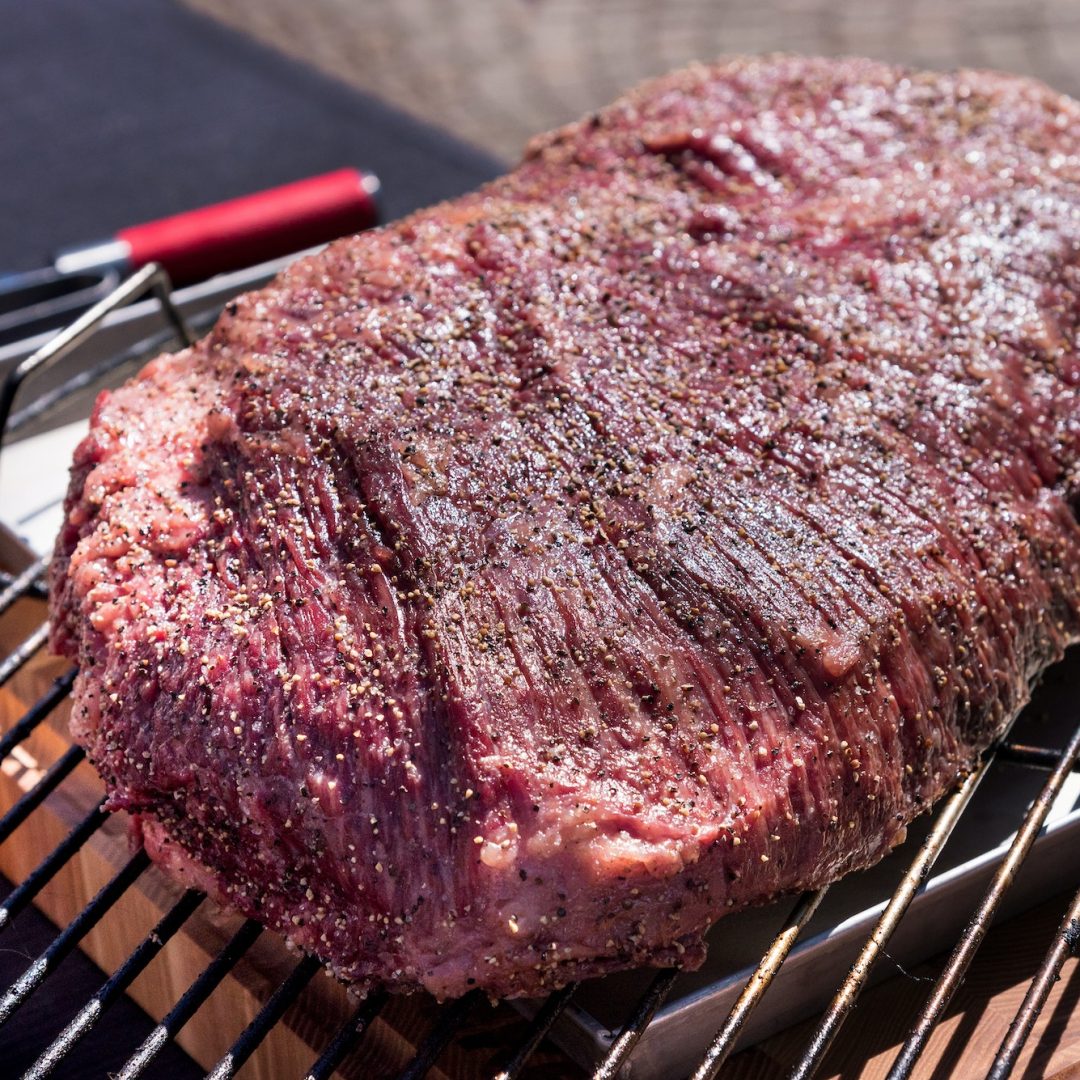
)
(453, 1016)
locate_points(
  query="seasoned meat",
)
(499, 598)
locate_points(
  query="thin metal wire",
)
(70, 936)
(153, 344)
(36, 713)
(347, 1036)
(22, 584)
(1065, 944)
(973, 935)
(634, 1028)
(12, 662)
(265, 1019)
(47, 869)
(115, 985)
(842, 1004)
(542, 1022)
(151, 278)
(192, 1001)
(724, 1040)
(449, 1022)
(161, 287)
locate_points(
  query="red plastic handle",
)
(242, 232)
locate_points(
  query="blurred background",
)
(495, 71)
(122, 111)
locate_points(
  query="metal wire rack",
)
(452, 1018)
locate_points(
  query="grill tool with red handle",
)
(192, 246)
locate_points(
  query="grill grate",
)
(192, 1000)
(453, 1017)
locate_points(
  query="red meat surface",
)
(498, 598)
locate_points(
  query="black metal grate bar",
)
(36, 590)
(1064, 944)
(70, 936)
(36, 713)
(22, 584)
(973, 935)
(15, 660)
(1031, 757)
(447, 1025)
(347, 1037)
(265, 1019)
(550, 1011)
(115, 985)
(47, 869)
(841, 1005)
(58, 771)
(634, 1028)
(192, 1000)
(724, 1040)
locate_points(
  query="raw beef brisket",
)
(499, 598)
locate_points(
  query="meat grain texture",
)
(500, 597)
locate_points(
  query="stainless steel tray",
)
(676, 1038)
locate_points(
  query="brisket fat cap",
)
(498, 598)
